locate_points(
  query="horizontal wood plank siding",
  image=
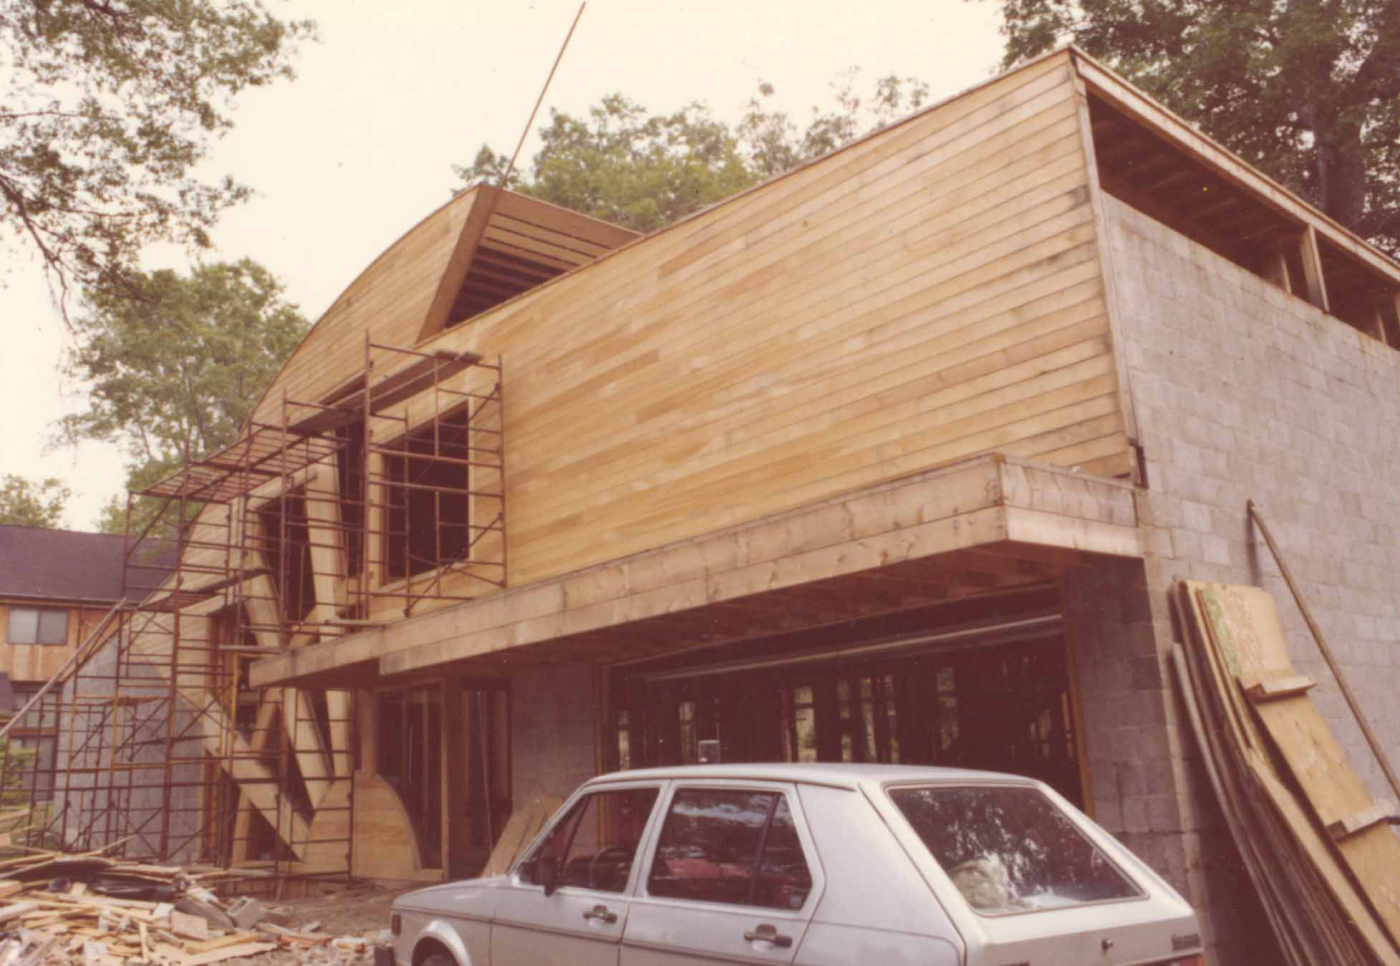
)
(928, 294)
(39, 662)
(390, 299)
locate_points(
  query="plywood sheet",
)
(524, 824)
(1282, 737)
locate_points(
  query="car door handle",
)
(601, 912)
(769, 934)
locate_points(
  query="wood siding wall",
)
(39, 662)
(928, 294)
(390, 298)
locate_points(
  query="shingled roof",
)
(60, 564)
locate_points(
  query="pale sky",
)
(360, 147)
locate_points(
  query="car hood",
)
(449, 896)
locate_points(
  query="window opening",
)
(595, 845)
(350, 480)
(30, 773)
(482, 753)
(285, 541)
(410, 760)
(1010, 849)
(911, 708)
(729, 846)
(37, 625)
(428, 500)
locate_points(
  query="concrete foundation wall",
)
(553, 730)
(1241, 392)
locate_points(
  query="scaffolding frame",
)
(347, 512)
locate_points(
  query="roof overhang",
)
(985, 524)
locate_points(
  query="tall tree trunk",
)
(1341, 175)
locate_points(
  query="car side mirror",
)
(547, 873)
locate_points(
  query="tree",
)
(108, 107)
(1306, 90)
(175, 372)
(32, 503)
(645, 171)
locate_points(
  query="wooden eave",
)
(1234, 174)
(509, 244)
(976, 526)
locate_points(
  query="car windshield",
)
(1010, 849)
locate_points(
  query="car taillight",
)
(395, 924)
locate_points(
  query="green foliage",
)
(18, 762)
(174, 373)
(645, 171)
(32, 503)
(1307, 91)
(108, 106)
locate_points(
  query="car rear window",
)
(1010, 849)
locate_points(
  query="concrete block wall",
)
(1147, 783)
(553, 729)
(1242, 391)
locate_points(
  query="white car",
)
(808, 864)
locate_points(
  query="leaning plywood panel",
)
(1245, 627)
(1317, 912)
(1247, 649)
(925, 295)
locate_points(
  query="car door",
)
(593, 845)
(732, 876)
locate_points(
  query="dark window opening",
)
(993, 705)
(484, 756)
(350, 477)
(231, 682)
(286, 548)
(31, 756)
(410, 759)
(428, 518)
(496, 276)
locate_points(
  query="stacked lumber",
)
(1319, 851)
(61, 908)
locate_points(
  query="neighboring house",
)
(56, 586)
(891, 458)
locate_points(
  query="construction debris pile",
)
(94, 910)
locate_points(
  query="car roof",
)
(840, 774)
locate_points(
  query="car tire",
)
(439, 959)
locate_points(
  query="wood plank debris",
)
(54, 919)
(1320, 853)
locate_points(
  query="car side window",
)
(727, 845)
(594, 845)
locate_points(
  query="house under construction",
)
(891, 458)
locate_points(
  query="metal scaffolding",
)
(346, 513)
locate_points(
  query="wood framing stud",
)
(1276, 268)
(1312, 268)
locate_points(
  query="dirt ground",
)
(358, 910)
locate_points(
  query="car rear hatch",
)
(1028, 879)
